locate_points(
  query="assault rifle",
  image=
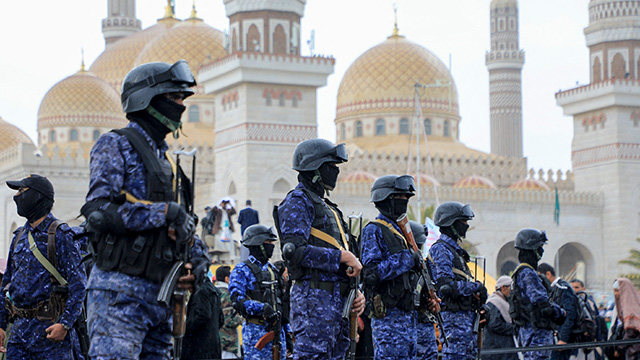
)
(170, 294)
(354, 285)
(480, 312)
(273, 335)
(425, 288)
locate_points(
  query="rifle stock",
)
(403, 223)
(265, 339)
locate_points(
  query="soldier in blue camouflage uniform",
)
(389, 274)
(251, 285)
(461, 296)
(530, 307)
(130, 207)
(30, 286)
(315, 248)
(427, 344)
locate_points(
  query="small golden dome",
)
(384, 78)
(529, 184)
(11, 135)
(358, 177)
(427, 180)
(192, 40)
(118, 59)
(82, 99)
(475, 182)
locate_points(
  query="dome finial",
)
(82, 68)
(194, 13)
(169, 10)
(396, 31)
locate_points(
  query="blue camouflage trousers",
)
(125, 327)
(394, 336)
(317, 323)
(427, 343)
(28, 340)
(463, 343)
(530, 336)
(251, 333)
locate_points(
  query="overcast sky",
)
(41, 41)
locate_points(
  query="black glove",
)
(482, 292)
(269, 314)
(417, 259)
(182, 223)
(560, 319)
(370, 275)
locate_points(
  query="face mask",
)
(540, 252)
(399, 207)
(329, 175)
(167, 112)
(268, 249)
(461, 228)
(32, 205)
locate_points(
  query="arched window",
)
(269, 99)
(52, 136)
(96, 134)
(194, 113)
(597, 69)
(447, 131)
(281, 99)
(380, 127)
(73, 135)
(279, 40)
(358, 128)
(343, 131)
(404, 126)
(618, 66)
(253, 39)
(294, 101)
(427, 126)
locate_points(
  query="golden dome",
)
(82, 99)
(11, 135)
(475, 182)
(383, 79)
(192, 40)
(358, 177)
(118, 59)
(529, 184)
(427, 180)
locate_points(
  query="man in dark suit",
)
(247, 217)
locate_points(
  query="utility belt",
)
(325, 285)
(396, 293)
(461, 303)
(45, 310)
(255, 320)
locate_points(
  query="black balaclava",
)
(328, 175)
(306, 178)
(529, 257)
(392, 208)
(32, 205)
(161, 117)
(262, 252)
(457, 231)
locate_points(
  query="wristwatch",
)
(66, 327)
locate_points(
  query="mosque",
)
(397, 111)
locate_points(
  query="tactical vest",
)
(397, 292)
(520, 308)
(150, 253)
(322, 210)
(262, 289)
(461, 272)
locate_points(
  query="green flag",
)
(556, 213)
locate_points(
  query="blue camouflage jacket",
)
(29, 282)
(443, 265)
(532, 290)
(376, 253)
(296, 216)
(115, 165)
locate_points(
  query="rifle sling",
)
(51, 251)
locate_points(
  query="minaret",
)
(265, 101)
(605, 151)
(121, 21)
(505, 61)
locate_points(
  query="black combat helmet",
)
(256, 235)
(419, 232)
(311, 154)
(148, 80)
(392, 184)
(530, 239)
(447, 213)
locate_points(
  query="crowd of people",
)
(132, 282)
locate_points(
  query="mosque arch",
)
(597, 70)
(73, 135)
(281, 186)
(507, 259)
(574, 261)
(279, 40)
(232, 188)
(404, 126)
(358, 129)
(253, 39)
(618, 66)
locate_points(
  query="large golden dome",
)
(82, 99)
(11, 136)
(383, 79)
(192, 40)
(118, 59)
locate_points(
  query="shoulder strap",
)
(317, 206)
(460, 260)
(43, 260)
(51, 242)
(142, 147)
(388, 233)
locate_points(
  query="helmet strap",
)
(458, 237)
(173, 126)
(317, 178)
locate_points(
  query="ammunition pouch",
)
(45, 310)
(398, 292)
(542, 316)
